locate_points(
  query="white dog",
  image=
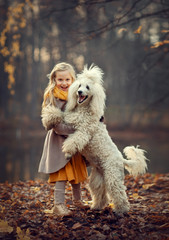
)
(86, 102)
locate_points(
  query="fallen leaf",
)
(4, 227)
(147, 186)
(35, 189)
(22, 235)
(76, 225)
(2, 209)
(87, 202)
(111, 205)
(164, 226)
(25, 212)
(48, 211)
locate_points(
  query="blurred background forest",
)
(128, 39)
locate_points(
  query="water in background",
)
(20, 156)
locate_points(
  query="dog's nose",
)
(80, 92)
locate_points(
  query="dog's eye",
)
(79, 85)
(87, 87)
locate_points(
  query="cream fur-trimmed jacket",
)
(53, 158)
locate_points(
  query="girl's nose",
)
(64, 82)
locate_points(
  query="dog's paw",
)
(64, 148)
(121, 210)
(67, 146)
(68, 156)
(51, 116)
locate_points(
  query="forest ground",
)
(25, 212)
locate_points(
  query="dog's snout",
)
(80, 92)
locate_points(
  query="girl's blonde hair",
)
(51, 85)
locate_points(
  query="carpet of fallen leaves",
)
(25, 212)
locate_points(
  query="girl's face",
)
(63, 80)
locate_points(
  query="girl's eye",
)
(87, 87)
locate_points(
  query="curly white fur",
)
(86, 102)
(48, 116)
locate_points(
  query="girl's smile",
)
(63, 80)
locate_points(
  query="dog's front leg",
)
(75, 143)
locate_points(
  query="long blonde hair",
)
(51, 85)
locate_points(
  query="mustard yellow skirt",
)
(75, 171)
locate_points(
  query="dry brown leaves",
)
(24, 212)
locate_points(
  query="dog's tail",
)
(136, 163)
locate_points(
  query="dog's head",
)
(88, 90)
(84, 92)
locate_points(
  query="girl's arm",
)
(63, 129)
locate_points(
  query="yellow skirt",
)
(75, 171)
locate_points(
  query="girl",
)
(53, 161)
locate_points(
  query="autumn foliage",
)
(25, 212)
(12, 32)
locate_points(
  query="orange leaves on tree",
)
(158, 44)
(138, 30)
(5, 51)
(16, 36)
(3, 38)
(18, 9)
(15, 49)
(122, 30)
(165, 31)
(15, 20)
(10, 69)
(22, 23)
(29, 4)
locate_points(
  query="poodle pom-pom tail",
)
(136, 163)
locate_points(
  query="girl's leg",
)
(59, 199)
(77, 195)
(76, 192)
(59, 192)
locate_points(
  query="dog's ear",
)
(98, 100)
(72, 96)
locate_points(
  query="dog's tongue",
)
(81, 98)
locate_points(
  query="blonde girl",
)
(53, 161)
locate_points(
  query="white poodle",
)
(85, 107)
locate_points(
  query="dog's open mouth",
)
(81, 98)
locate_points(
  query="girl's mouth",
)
(64, 88)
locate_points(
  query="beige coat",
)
(53, 158)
